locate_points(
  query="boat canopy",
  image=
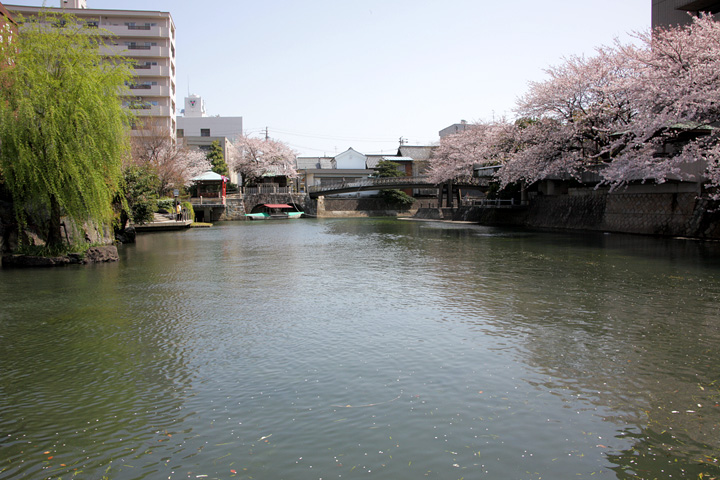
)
(276, 205)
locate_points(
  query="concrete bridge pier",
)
(450, 194)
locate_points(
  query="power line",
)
(323, 137)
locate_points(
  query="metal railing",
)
(183, 216)
(371, 182)
(497, 202)
(268, 188)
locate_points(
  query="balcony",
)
(150, 90)
(138, 51)
(152, 71)
(153, 111)
(138, 31)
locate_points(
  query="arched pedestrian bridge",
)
(385, 183)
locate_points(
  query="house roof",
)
(418, 152)
(372, 160)
(308, 163)
(208, 176)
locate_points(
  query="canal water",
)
(365, 348)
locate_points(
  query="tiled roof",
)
(416, 152)
(314, 163)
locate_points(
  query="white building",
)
(195, 123)
(196, 129)
(148, 38)
(351, 166)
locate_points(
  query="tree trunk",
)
(54, 236)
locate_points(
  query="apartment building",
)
(148, 38)
(678, 12)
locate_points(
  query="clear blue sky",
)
(325, 75)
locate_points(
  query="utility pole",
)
(402, 141)
(266, 134)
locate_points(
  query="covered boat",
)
(274, 211)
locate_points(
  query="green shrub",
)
(397, 198)
(166, 205)
(189, 208)
(143, 210)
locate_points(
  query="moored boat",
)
(274, 211)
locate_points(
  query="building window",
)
(145, 66)
(134, 26)
(140, 104)
(180, 132)
(204, 132)
(137, 46)
(141, 86)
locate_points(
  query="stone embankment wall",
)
(673, 214)
(664, 211)
(485, 216)
(680, 214)
(105, 254)
(359, 207)
(234, 209)
(73, 232)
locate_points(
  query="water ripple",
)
(362, 348)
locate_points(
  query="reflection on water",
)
(365, 348)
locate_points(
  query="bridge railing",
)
(371, 182)
(497, 202)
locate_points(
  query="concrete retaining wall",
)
(358, 207)
(666, 214)
(666, 210)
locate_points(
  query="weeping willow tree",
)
(63, 130)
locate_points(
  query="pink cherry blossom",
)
(256, 157)
(174, 164)
(648, 111)
(479, 144)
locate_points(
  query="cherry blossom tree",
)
(174, 164)
(482, 143)
(643, 112)
(573, 116)
(676, 99)
(544, 149)
(255, 157)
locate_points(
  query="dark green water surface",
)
(365, 348)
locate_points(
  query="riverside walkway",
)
(163, 222)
